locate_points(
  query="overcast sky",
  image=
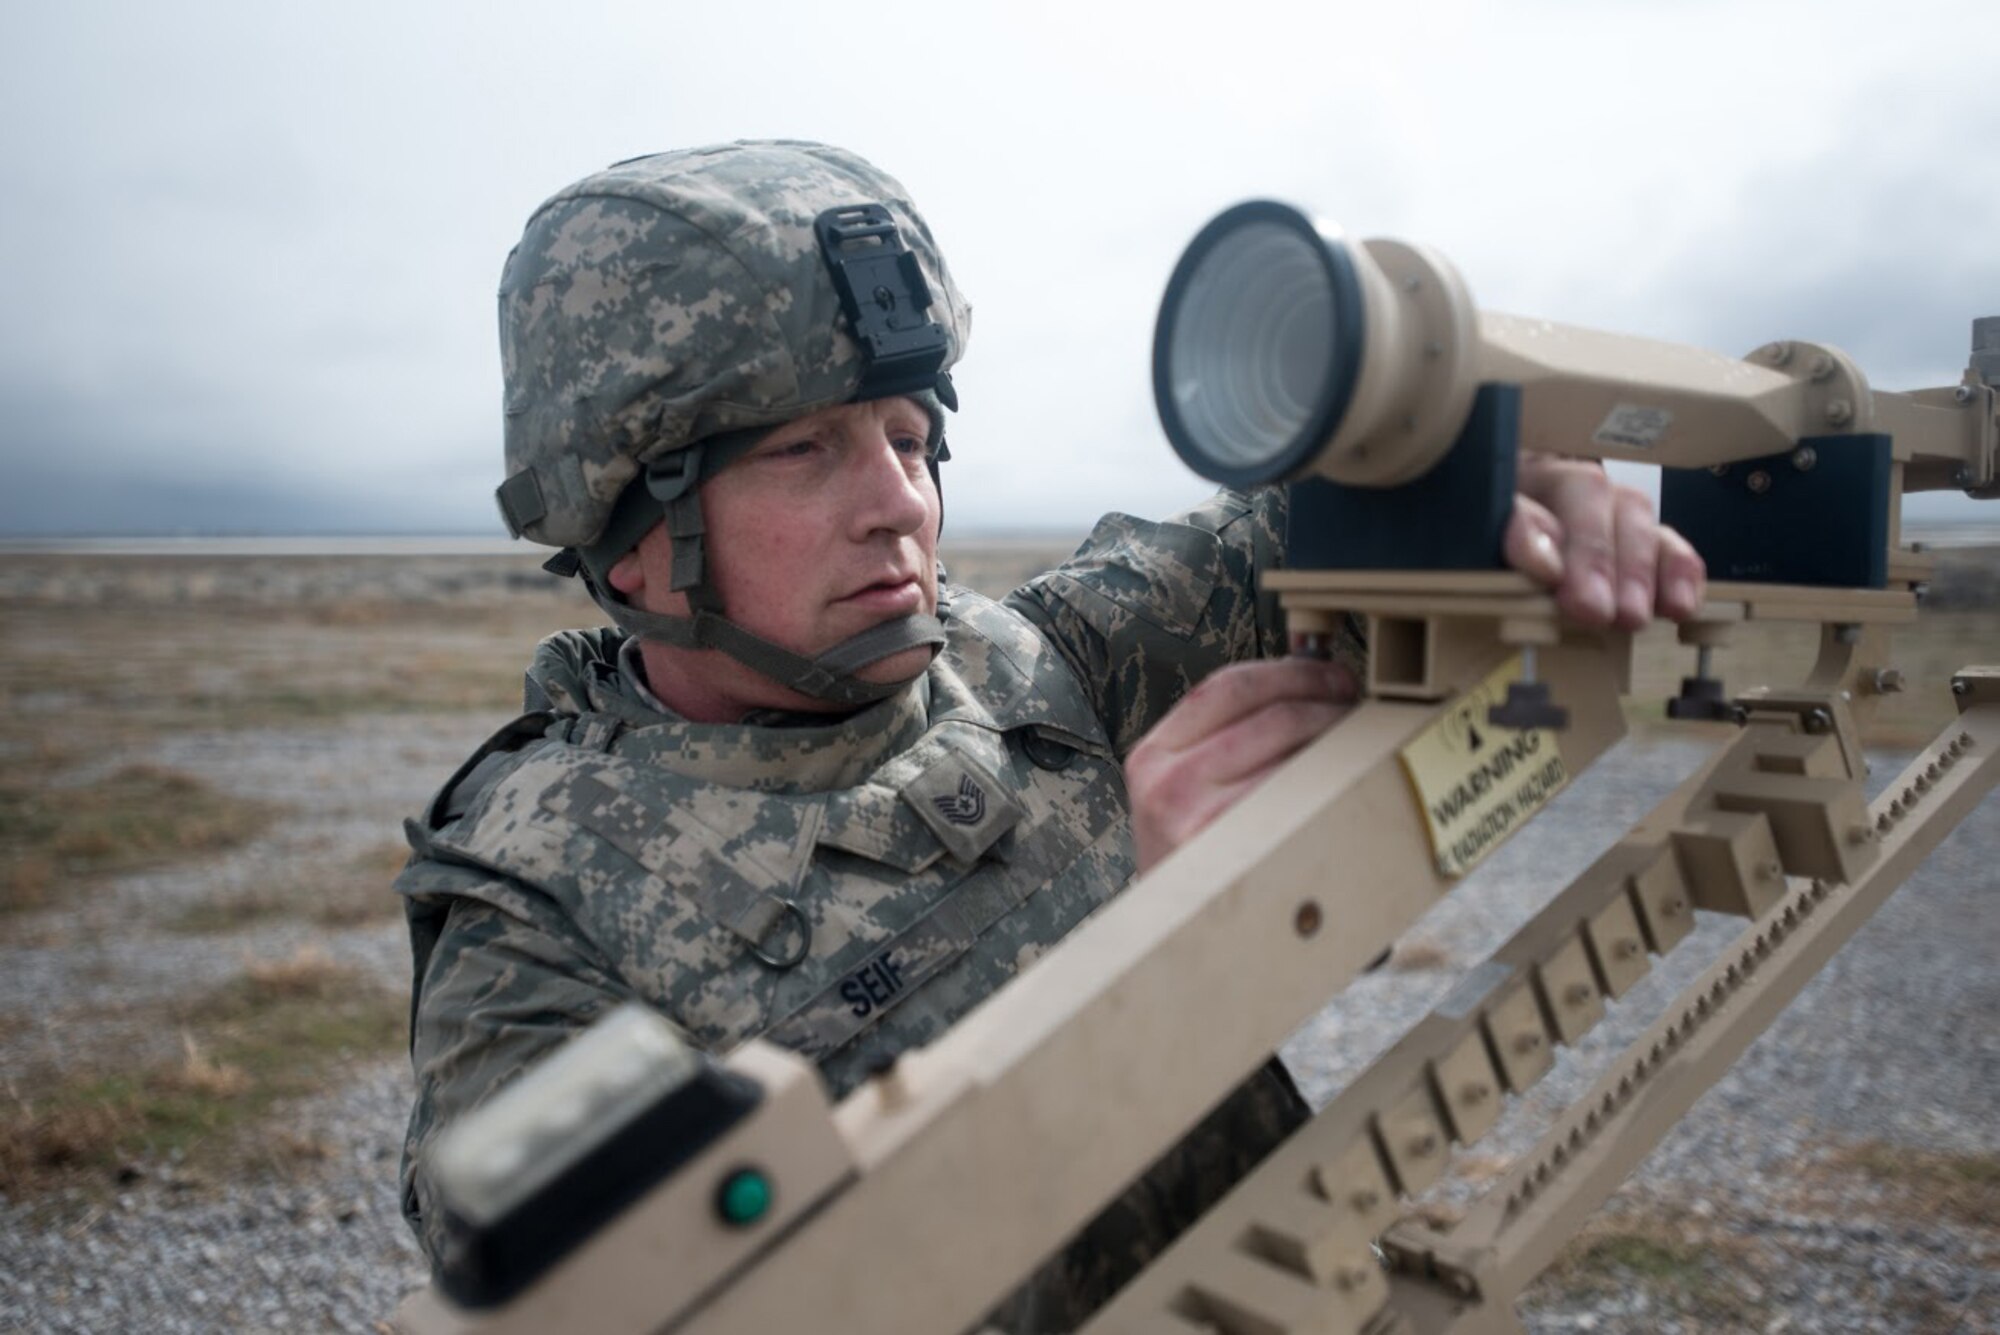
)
(254, 246)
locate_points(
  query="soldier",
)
(803, 790)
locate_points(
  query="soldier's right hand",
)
(1223, 739)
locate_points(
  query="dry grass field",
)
(101, 657)
(106, 662)
(193, 937)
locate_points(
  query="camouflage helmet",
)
(678, 297)
(657, 317)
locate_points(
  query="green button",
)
(744, 1197)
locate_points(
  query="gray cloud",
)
(249, 252)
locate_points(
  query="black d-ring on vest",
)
(805, 940)
(1046, 752)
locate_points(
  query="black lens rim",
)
(1349, 315)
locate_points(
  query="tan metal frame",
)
(924, 1197)
(958, 1170)
(1428, 348)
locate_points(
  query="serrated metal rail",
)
(1523, 1220)
(1291, 1249)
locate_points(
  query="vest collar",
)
(997, 673)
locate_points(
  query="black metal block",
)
(1452, 518)
(1772, 521)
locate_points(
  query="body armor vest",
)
(847, 891)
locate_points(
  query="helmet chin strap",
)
(829, 676)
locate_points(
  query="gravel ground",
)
(1893, 1043)
(321, 1246)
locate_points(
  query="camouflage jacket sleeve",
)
(1145, 610)
(501, 978)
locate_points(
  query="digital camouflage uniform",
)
(847, 888)
(599, 850)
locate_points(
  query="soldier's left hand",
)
(1600, 546)
(1223, 739)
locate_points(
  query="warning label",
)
(1476, 781)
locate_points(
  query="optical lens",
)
(1251, 359)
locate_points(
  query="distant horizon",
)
(953, 532)
(405, 542)
(16, 536)
(1956, 532)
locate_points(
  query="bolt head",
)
(1960, 686)
(1308, 918)
(1804, 457)
(1839, 412)
(1820, 367)
(1759, 482)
